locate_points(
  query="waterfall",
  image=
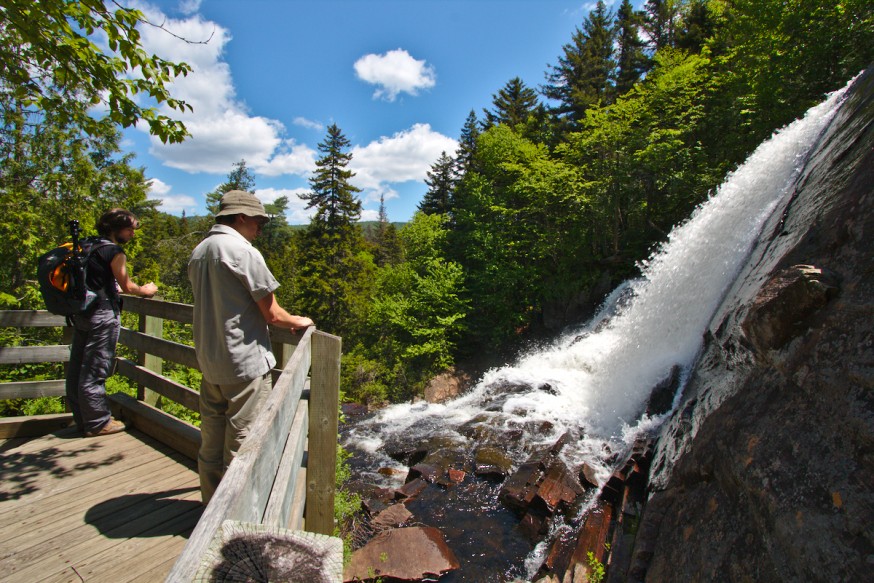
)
(594, 381)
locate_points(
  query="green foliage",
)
(50, 65)
(416, 312)
(515, 228)
(778, 58)
(596, 569)
(346, 503)
(51, 173)
(364, 379)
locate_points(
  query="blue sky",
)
(398, 77)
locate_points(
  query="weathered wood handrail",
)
(284, 473)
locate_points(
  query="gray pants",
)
(226, 411)
(92, 358)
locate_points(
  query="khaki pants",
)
(226, 412)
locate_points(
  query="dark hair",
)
(226, 219)
(115, 220)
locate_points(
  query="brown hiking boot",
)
(114, 426)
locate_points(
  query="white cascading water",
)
(594, 382)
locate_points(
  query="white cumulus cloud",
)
(170, 203)
(296, 213)
(308, 123)
(403, 157)
(395, 72)
(222, 129)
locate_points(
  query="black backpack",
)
(61, 274)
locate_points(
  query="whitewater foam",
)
(595, 380)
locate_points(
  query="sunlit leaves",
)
(50, 61)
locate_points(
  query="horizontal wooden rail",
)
(30, 319)
(32, 389)
(34, 354)
(167, 349)
(160, 384)
(183, 313)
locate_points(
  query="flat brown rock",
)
(405, 554)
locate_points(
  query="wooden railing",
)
(284, 473)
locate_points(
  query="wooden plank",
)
(324, 421)
(299, 500)
(285, 484)
(161, 566)
(68, 480)
(159, 309)
(34, 354)
(21, 530)
(30, 513)
(80, 463)
(177, 392)
(58, 443)
(33, 389)
(165, 349)
(144, 552)
(30, 319)
(117, 520)
(175, 433)
(33, 425)
(153, 327)
(242, 493)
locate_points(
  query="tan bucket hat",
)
(240, 202)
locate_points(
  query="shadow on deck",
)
(118, 508)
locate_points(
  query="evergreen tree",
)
(466, 144)
(631, 61)
(239, 178)
(278, 246)
(697, 25)
(441, 182)
(335, 271)
(660, 22)
(387, 244)
(332, 195)
(584, 74)
(513, 104)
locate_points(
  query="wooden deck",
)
(115, 509)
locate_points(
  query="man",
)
(233, 305)
(95, 333)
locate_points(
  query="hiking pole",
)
(77, 260)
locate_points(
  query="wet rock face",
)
(788, 302)
(765, 473)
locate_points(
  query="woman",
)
(95, 333)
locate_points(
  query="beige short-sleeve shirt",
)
(228, 277)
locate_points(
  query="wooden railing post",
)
(282, 352)
(153, 327)
(324, 421)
